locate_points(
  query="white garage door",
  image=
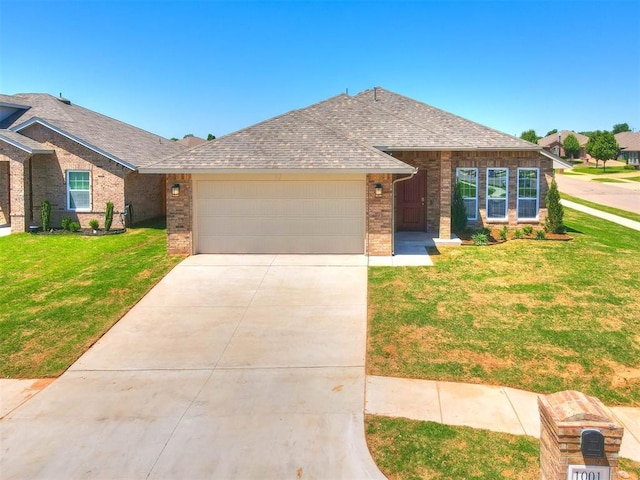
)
(280, 216)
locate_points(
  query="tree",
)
(551, 132)
(571, 146)
(530, 136)
(602, 146)
(188, 135)
(554, 222)
(458, 210)
(211, 137)
(621, 127)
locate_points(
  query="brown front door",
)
(410, 203)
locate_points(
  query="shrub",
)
(555, 213)
(458, 210)
(66, 221)
(46, 216)
(480, 239)
(93, 223)
(518, 233)
(74, 226)
(527, 229)
(108, 216)
(503, 232)
(540, 235)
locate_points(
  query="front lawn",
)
(600, 170)
(542, 315)
(409, 449)
(60, 293)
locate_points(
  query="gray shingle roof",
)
(629, 141)
(342, 133)
(553, 138)
(22, 142)
(123, 143)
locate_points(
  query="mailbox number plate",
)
(588, 472)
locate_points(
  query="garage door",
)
(280, 216)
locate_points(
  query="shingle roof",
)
(629, 141)
(123, 143)
(23, 143)
(348, 133)
(553, 138)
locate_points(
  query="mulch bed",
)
(494, 237)
(83, 231)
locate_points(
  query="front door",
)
(410, 203)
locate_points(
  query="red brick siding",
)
(15, 206)
(379, 220)
(4, 191)
(145, 193)
(179, 215)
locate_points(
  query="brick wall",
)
(179, 215)
(4, 192)
(379, 220)
(145, 194)
(15, 201)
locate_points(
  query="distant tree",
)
(551, 132)
(571, 146)
(602, 146)
(621, 127)
(458, 210)
(188, 135)
(174, 139)
(530, 136)
(554, 222)
(211, 137)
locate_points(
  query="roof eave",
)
(25, 147)
(210, 170)
(449, 148)
(72, 137)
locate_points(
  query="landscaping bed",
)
(496, 236)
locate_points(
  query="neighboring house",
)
(554, 143)
(191, 141)
(629, 147)
(76, 159)
(343, 175)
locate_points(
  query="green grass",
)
(542, 316)
(60, 293)
(603, 208)
(633, 179)
(607, 180)
(407, 449)
(600, 171)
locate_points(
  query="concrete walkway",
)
(231, 367)
(500, 409)
(600, 214)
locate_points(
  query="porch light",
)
(175, 190)
(378, 190)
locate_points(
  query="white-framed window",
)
(467, 180)
(528, 193)
(497, 193)
(556, 150)
(78, 190)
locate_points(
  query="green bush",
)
(93, 223)
(66, 221)
(108, 216)
(74, 226)
(46, 216)
(527, 229)
(458, 210)
(555, 213)
(503, 232)
(480, 239)
(540, 235)
(518, 233)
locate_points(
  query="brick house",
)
(76, 159)
(629, 147)
(554, 143)
(345, 174)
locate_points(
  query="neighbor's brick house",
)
(76, 159)
(345, 174)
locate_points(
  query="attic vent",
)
(66, 101)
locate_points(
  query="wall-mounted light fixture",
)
(175, 190)
(378, 190)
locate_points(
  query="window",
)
(528, 193)
(497, 186)
(556, 150)
(467, 179)
(78, 191)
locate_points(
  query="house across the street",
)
(344, 175)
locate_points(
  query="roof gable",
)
(23, 143)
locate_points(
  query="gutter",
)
(393, 208)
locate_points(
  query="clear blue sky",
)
(178, 67)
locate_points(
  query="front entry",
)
(411, 196)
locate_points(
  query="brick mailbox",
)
(579, 438)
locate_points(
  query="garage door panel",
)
(272, 216)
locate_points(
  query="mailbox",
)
(592, 443)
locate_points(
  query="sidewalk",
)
(600, 214)
(500, 409)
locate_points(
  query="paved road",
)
(231, 367)
(625, 196)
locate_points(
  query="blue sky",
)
(178, 67)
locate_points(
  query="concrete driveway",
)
(231, 367)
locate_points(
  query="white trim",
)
(46, 124)
(66, 175)
(506, 196)
(24, 147)
(245, 171)
(537, 197)
(475, 216)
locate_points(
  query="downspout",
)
(393, 208)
